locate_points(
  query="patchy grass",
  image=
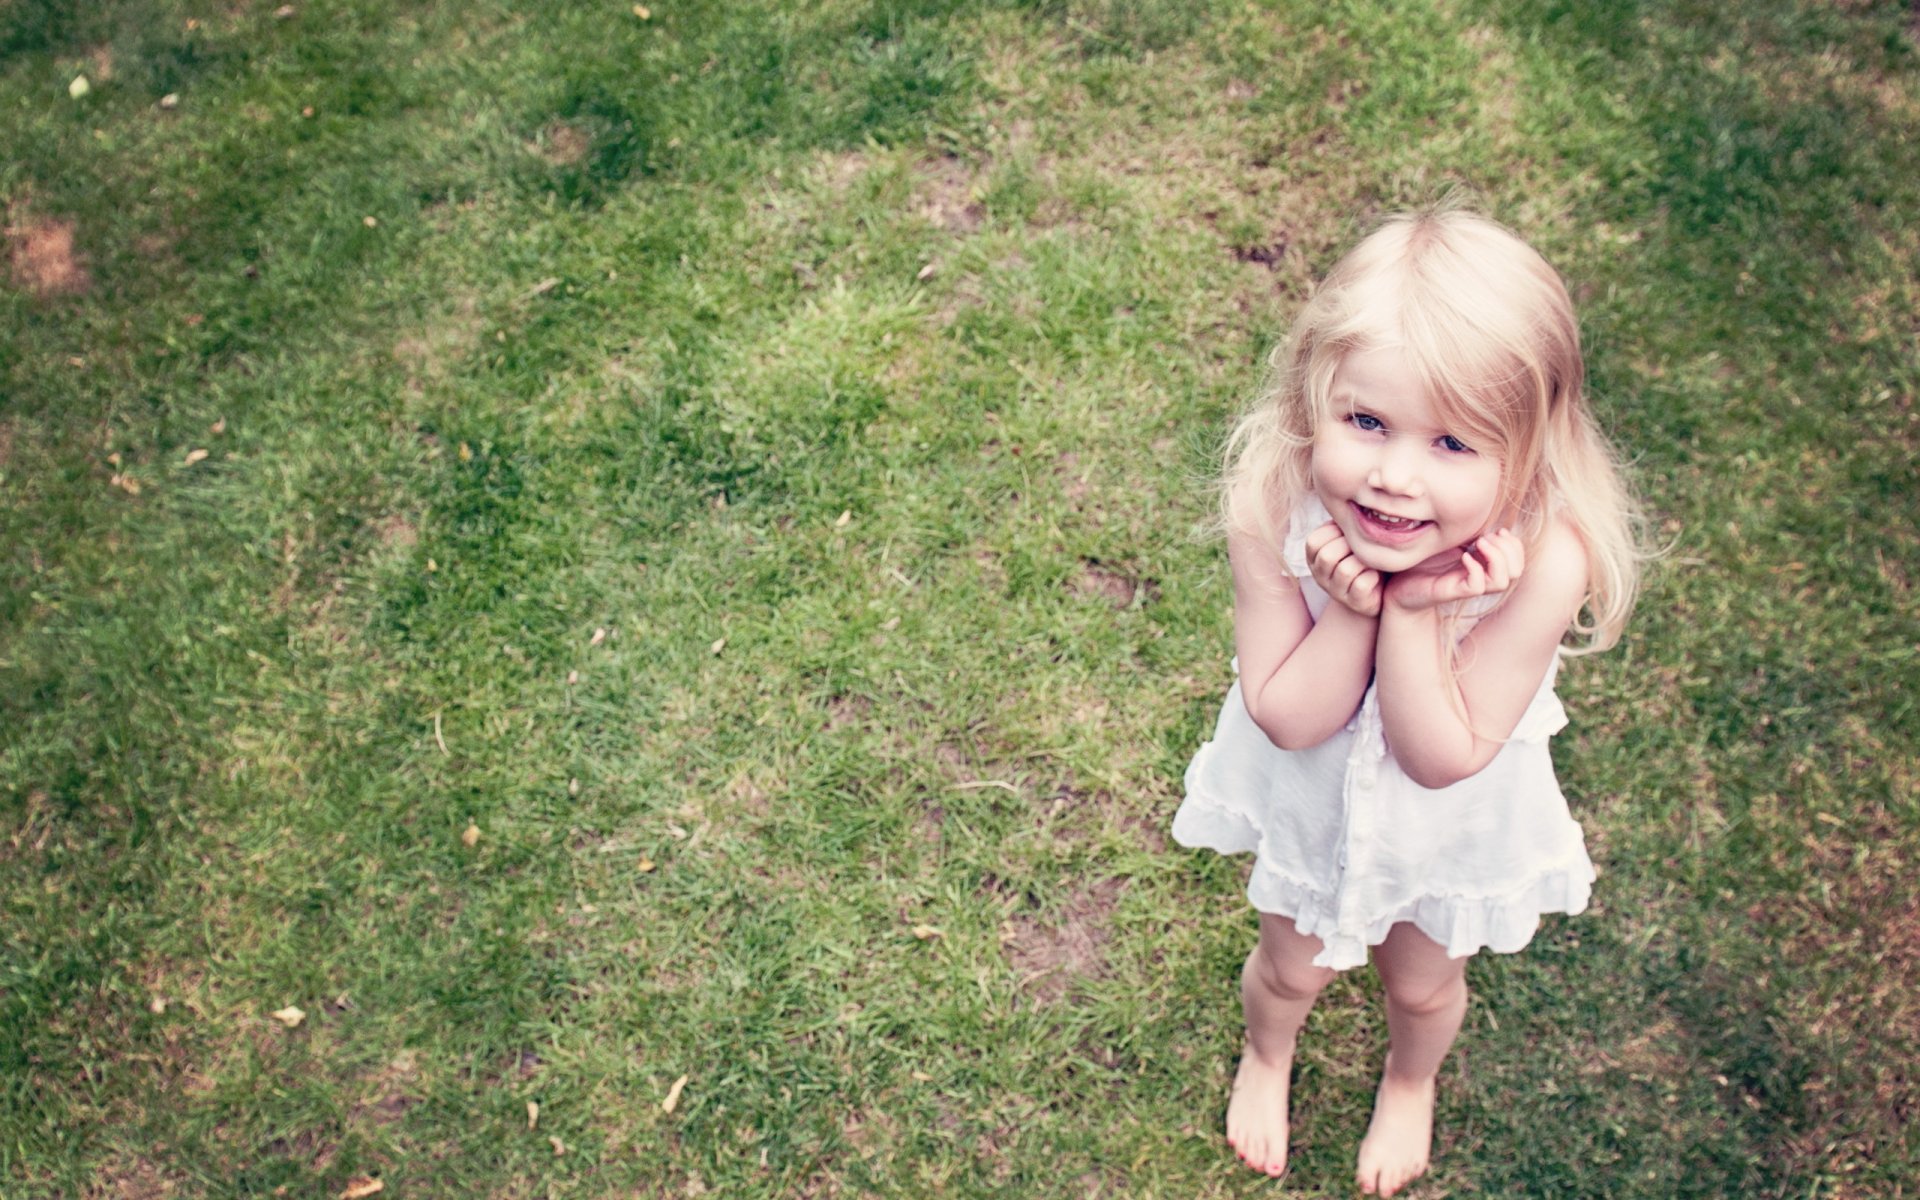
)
(587, 551)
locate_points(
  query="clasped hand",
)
(1488, 565)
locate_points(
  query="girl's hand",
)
(1345, 578)
(1489, 565)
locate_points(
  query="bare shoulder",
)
(1554, 584)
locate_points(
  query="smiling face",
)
(1407, 491)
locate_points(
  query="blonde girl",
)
(1422, 519)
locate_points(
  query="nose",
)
(1396, 469)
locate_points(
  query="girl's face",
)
(1407, 492)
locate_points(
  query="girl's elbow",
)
(1433, 777)
(1443, 772)
(1289, 731)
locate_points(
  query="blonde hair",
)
(1490, 328)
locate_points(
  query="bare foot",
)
(1400, 1136)
(1257, 1113)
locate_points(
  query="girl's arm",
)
(1444, 726)
(1301, 679)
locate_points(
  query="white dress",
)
(1346, 845)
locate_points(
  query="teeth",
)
(1396, 522)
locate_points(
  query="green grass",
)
(744, 464)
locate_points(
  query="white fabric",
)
(1346, 845)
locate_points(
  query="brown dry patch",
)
(387, 1094)
(1119, 588)
(931, 823)
(6, 442)
(1652, 1056)
(1269, 253)
(430, 353)
(41, 259)
(870, 1133)
(949, 196)
(957, 761)
(992, 573)
(397, 533)
(1081, 817)
(837, 170)
(562, 144)
(750, 794)
(133, 1177)
(1052, 951)
(843, 711)
(1075, 487)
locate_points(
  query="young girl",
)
(1418, 512)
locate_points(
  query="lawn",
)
(644, 567)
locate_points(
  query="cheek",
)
(1327, 463)
(1480, 499)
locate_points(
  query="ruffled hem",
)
(1465, 924)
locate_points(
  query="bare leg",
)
(1277, 989)
(1426, 1001)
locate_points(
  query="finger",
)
(1516, 553)
(1490, 551)
(1476, 584)
(1332, 550)
(1366, 592)
(1318, 539)
(1507, 557)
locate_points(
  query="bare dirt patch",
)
(387, 1093)
(397, 533)
(563, 145)
(1053, 951)
(1269, 254)
(41, 259)
(848, 710)
(131, 1177)
(948, 198)
(430, 353)
(1119, 588)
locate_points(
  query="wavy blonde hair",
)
(1490, 328)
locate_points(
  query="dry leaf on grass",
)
(673, 1095)
(533, 1113)
(472, 835)
(362, 1186)
(290, 1016)
(194, 456)
(559, 1147)
(927, 933)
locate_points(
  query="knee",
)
(1287, 975)
(1422, 997)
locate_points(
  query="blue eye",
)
(1455, 444)
(1366, 422)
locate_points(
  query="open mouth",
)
(1386, 525)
